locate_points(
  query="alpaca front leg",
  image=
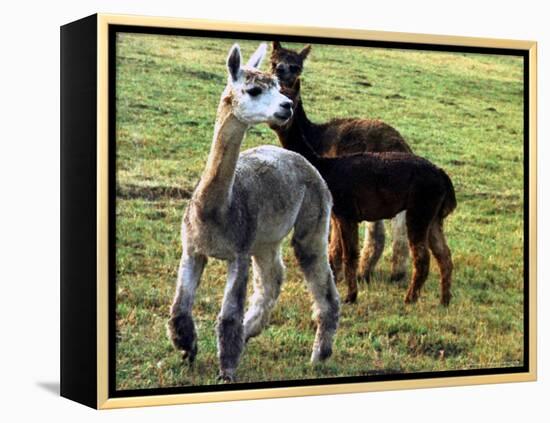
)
(230, 320)
(349, 233)
(181, 327)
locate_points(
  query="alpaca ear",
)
(256, 59)
(277, 45)
(305, 51)
(234, 62)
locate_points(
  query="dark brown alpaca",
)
(375, 186)
(342, 137)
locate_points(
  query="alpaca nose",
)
(280, 68)
(287, 105)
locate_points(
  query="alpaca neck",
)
(216, 184)
(300, 135)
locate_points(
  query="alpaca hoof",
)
(248, 333)
(189, 355)
(226, 377)
(181, 330)
(351, 298)
(320, 355)
(445, 301)
(366, 277)
(397, 277)
(410, 299)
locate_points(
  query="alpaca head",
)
(287, 64)
(254, 95)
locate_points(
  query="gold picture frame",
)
(78, 381)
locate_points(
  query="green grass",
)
(464, 112)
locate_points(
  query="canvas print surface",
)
(334, 303)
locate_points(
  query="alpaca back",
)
(272, 187)
(340, 137)
(279, 184)
(373, 186)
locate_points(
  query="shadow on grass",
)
(151, 193)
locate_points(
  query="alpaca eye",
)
(294, 68)
(254, 92)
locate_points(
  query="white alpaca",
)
(242, 208)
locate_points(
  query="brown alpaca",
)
(340, 137)
(375, 186)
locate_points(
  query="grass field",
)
(464, 112)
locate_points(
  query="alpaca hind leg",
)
(335, 249)
(400, 247)
(420, 215)
(230, 320)
(349, 233)
(419, 220)
(421, 263)
(268, 272)
(310, 248)
(181, 327)
(373, 248)
(442, 254)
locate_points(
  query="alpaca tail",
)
(449, 203)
